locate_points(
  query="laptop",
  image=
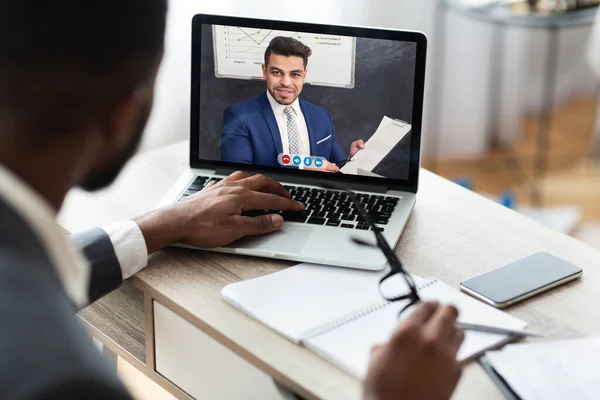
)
(293, 101)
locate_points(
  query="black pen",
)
(347, 160)
(341, 165)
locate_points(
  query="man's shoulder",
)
(308, 107)
(247, 105)
(39, 319)
(30, 288)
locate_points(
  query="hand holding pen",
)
(355, 147)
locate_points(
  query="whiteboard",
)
(239, 54)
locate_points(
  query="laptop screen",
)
(306, 101)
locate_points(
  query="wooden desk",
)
(452, 234)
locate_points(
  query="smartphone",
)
(521, 279)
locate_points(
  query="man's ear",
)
(264, 70)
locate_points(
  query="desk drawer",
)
(202, 367)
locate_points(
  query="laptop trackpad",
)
(290, 239)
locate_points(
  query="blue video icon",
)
(318, 162)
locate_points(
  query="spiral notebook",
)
(339, 314)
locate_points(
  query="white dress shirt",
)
(130, 246)
(72, 266)
(281, 118)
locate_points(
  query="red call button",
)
(286, 159)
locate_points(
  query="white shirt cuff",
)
(130, 246)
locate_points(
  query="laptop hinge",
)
(363, 187)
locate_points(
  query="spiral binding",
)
(320, 330)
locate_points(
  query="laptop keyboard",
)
(322, 207)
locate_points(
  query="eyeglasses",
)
(396, 267)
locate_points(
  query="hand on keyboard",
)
(213, 216)
(322, 207)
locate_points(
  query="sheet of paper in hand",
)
(389, 133)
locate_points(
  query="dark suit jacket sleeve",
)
(235, 141)
(337, 154)
(105, 274)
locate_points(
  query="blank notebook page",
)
(302, 298)
(349, 344)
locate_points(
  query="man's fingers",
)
(267, 201)
(236, 176)
(377, 350)
(332, 167)
(260, 225)
(209, 185)
(360, 143)
(458, 336)
(414, 322)
(322, 169)
(422, 313)
(261, 183)
(442, 323)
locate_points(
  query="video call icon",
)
(298, 160)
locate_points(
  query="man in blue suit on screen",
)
(278, 121)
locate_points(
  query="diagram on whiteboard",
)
(239, 54)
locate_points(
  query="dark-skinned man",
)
(76, 87)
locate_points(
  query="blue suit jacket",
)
(251, 136)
